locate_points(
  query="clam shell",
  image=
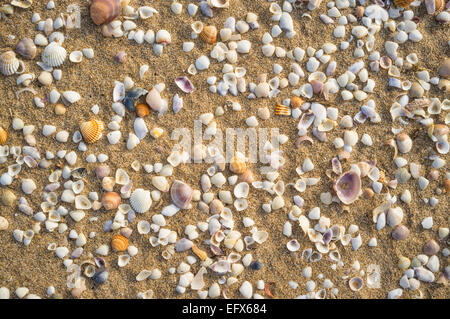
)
(26, 48)
(184, 84)
(91, 130)
(119, 243)
(76, 56)
(154, 100)
(140, 200)
(355, 283)
(181, 194)
(54, 55)
(293, 245)
(9, 64)
(209, 34)
(104, 11)
(348, 187)
(143, 227)
(111, 200)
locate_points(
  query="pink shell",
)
(184, 84)
(181, 194)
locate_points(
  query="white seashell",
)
(143, 227)
(118, 91)
(140, 200)
(140, 128)
(54, 55)
(123, 260)
(71, 97)
(28, 186)
(76, 56)
(114, 137)
(122, 177)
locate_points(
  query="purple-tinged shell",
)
(348, 187)
(52, 187)
(327, 236)
(221, 267)
(184, 84)
(336, 165)
(181, 194)
(102, 171)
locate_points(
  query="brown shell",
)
(119, 243)
(238, 165)
(3, 136)
(209, 34)
(142, 110)
(111, 200)
(26, 48)
(296, 102)
(200, 253)
(403, 3)
(91, 130)
(104, 11)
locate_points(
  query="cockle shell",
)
(3, 136)
(119, 243)
(104, 11)
(140, 200)
(111, 200)
(184, 84)
(26, 48)
(181, 194)
(403, 3)
(348, 187)
(9, 64)
(54, 55)
(209, 34)
(91, 130)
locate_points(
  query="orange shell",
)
(91, 130)
(296, 102)
(119, 243)
(282, 110)
(238, 165)
(104, 11)
(403, 3)
(111, 200)
(209, 34)
(3, 136)
(200, 253)
(142, 110)
(246, 176)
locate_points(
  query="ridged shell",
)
(282, 110)
(3, 136)
(111, 200)
(238, 165)
(26, 48)
(104, 11)
(119, 243)
(181, 194)
(91, 130)
(54, 55)
(209, 34)
(140, 200)
(403, 3)
(9, 64)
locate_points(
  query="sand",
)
(37, 268)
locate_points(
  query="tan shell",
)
(200, 253)
(238, 165)
(91, 130)
(26, 48)
(403, 3)
(209, 34)
(119, 243)
(3, 136)
(9, 64)
(111, 200)
(296, 102)
(104, 11)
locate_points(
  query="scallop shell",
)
(26, 48)
(91, 130)
(238, 165)
(54, 55)
(348, 187)
(119, 243)
(104, 11)
(111, 200)
(3, 136)
(209, 34)
(403, 3)
(140, 200)
(9, 64)
(181, 194)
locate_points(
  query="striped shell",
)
(3, 136)
(9, 64)
(111, 200)
(403, 3)
(282, 110)
(140, 200)
(104, 11)
(26, 48)
(91, 130)
(209, 34)
(54, 55)
(181, 194)
(119, 243)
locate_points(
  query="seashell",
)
(444, 69)
(140, 200)
(238, 165)
(403, 3)
(434, 6)
(91, 130)
(54, 55)
(181, 194)
(385, 62)
(123, 260)
(404, 142)
(140, 128)
(9, 64)
(200, 253)
(142, 110)
(442, 147)
(119, 243)
(111, 200)
(154, 100)
(26, 48)
(76, 57)
(282, 110)
(184, 84)
(3, 136)
(143, 227)
(24, 4)
(293, 245)
(355, 283)
(260, 236)
(104, 11)
(219, 3)
(348, 187)
(209, 34)
(163, 37)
